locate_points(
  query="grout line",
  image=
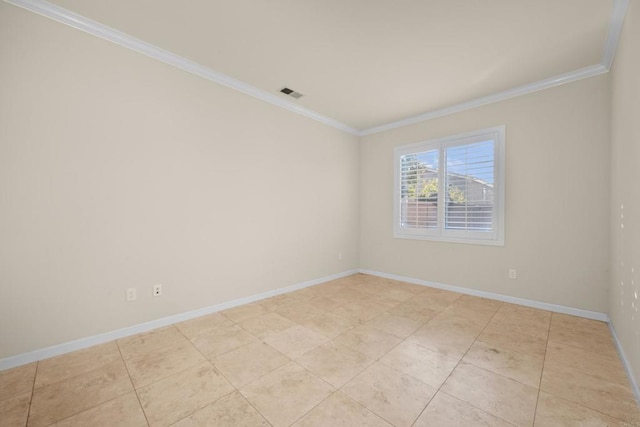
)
(99, 367)
(544, 359)
(33, 391)
(624, 423)
(235, 389)
(132, 386)
(561, 397)
(335, 390)
(458, 364)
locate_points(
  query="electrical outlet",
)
(513, 274)
(339, 256)
(157, 290)
(131, 294)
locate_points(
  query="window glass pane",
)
(469, 184)
(419, 190)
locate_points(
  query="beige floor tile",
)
(124, 411)
(524, 368)
(445, 410)
(447, 333)
(149, 368)
(521, 320)
(222, 340)
(414, 311)
(249, 362)
(232, 410)
(17, 381)
(553, 411)
(334, 363)
(243, 312)
(582, 333)
(304, 295)
(396, 294)
(513, 341)
(396, 397)
(350, 295)
(429, 366)
(295, 341)
(63, 399)
(76, 363)
(500, 396)
(266, 324)
(600, 366)
(392, 324)
(360, 311)
(476, 309)
(436, 299)
(584, 340)
(150, 342)
(411, 287)
(202, 325)
(326, 303)
(592, 392)
(528, 314)
(383, 301)
(383, 379)
(14, 410)
(580, 323)
(298, 312)
(286, 394)
(328, 324)
(180, 395)
(368, 341)
(273, 303)
(341, 411)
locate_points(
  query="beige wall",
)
(557, 198)
(625, 197)
(119, 171)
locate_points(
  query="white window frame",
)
(494, 237)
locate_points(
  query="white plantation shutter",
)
(469, 183)
(451, 189)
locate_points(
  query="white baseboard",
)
(625, 362)
(79, 344)
(594, 315)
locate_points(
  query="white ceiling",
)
(367, 63)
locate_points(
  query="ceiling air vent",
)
(291, 92)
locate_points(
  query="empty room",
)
(319, 213)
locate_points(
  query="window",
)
(451, 188)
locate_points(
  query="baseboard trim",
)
(625, 362)
(79, 344)
(594, 315)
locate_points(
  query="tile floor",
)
(359, 351)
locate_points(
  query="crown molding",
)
(79, 22)
(561, 79)
(613, 35)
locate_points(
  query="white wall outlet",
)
(339, 256)
(157, 290)
(513, 274)
(131, 294)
